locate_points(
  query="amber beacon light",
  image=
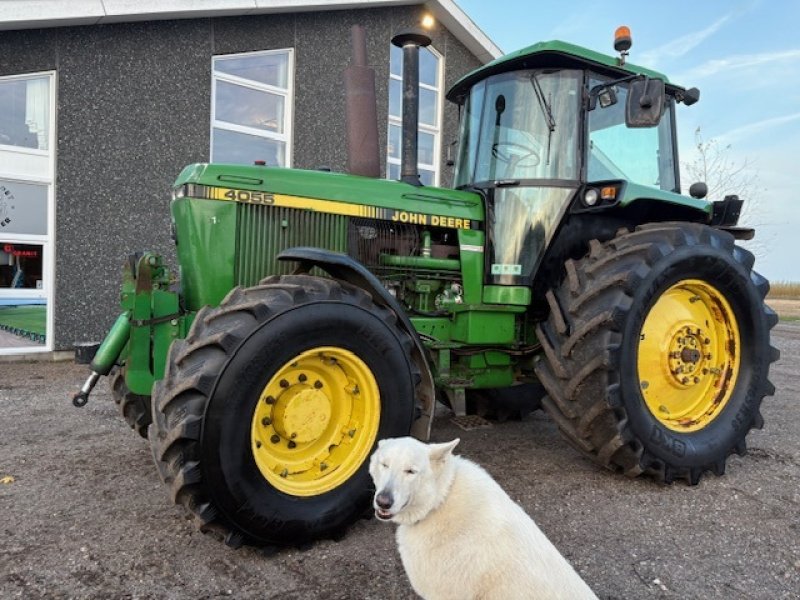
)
(622, 42)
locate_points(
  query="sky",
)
(744, 56)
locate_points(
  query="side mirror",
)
(645, 102)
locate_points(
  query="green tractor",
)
(319, 312)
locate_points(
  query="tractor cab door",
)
(519, 145)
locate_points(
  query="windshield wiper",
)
(545, 106)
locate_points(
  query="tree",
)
(713, 163)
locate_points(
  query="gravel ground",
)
(86, 516)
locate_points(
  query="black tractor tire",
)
(134, 408)
(206, 422)
(591, 341)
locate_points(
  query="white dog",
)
(460, 536)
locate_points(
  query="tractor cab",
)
(553, 128)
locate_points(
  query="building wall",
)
(134, 108)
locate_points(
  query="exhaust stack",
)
(363, 154)
(410, 41)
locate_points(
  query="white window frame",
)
(38, 168)
(288, 98)
(435, 130)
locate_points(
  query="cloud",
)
(683, 44)
(741, 61)
(757, 127)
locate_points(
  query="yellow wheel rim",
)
(689, 356)
(316, 421)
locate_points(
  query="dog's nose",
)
(384, 500)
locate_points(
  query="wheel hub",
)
(301, 414)
(687, 353)
(315, 421)
(688, 357)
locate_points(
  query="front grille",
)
(264, 231)
(369, 238)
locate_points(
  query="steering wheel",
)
(525, 157)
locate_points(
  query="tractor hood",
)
(335, 193)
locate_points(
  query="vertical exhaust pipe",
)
(361, 116)
(410, 41)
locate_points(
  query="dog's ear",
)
(441, 452)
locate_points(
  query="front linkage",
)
(140, 337)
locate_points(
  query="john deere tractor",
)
(316, 313)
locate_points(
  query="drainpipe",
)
(410, 41)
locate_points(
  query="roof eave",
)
(38, 14)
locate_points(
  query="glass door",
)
(27, 160)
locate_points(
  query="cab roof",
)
(554, 54)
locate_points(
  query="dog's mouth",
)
(384, 515)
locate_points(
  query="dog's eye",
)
(384, 465)
(410, 471)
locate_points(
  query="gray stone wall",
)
(134, 109)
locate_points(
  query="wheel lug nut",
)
(284, 383)
(266, 421)
(292, 444)
(706, 341)
(258, 444)
(685, 380)
(269, 400)
(302, 377)
(697, 380)
(293, 436)
(275, 438)
(318, 384)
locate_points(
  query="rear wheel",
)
(657, 351)
(271, 406)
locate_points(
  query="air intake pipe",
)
(410, 41)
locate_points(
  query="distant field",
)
(784, 289)
(25, 318)
(784, 299)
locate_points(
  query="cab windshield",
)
(521, 125)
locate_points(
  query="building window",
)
(251, 107)
(430, 114)
(25, 114)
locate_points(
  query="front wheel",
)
(657, 351)
(270, 408)
(135, 409)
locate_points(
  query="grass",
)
(25, 318)
(784, 289)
